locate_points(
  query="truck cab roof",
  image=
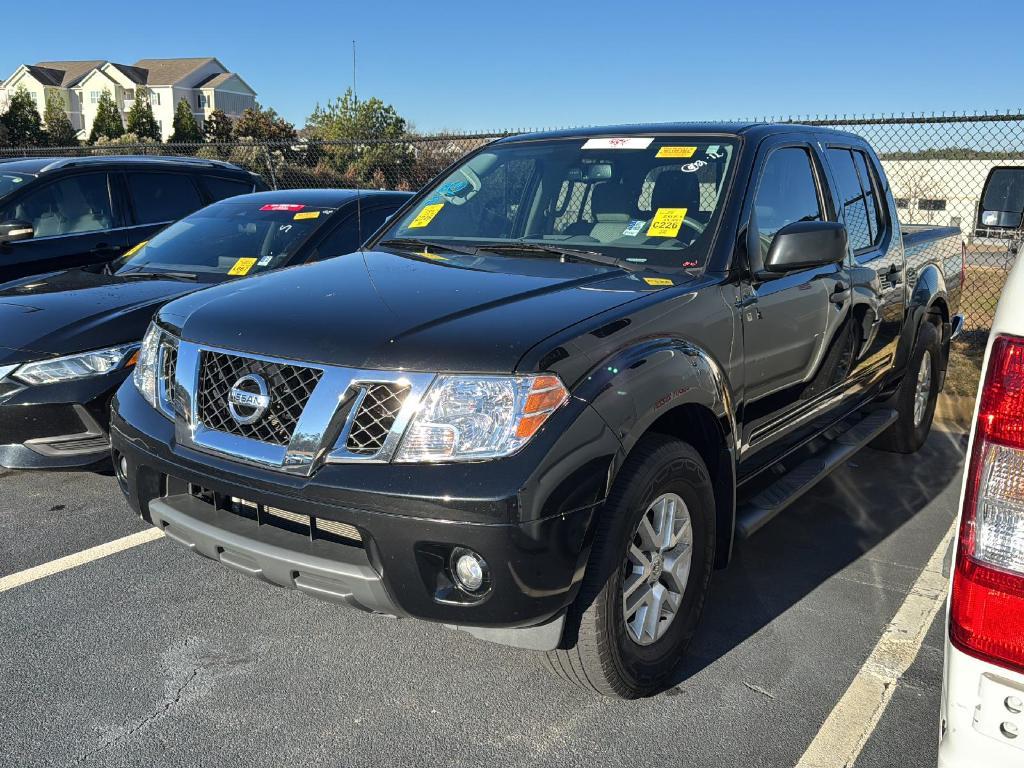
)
(753, 130)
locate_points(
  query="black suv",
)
(58, 213)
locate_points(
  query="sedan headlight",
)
(465, 418)
(80, 366)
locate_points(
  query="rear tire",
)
(917, 396)
(663, 480)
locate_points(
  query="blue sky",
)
(481, 66)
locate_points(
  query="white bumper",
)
(977, 712)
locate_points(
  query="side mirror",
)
(1002, 202)
(12, 231)
(805, 245)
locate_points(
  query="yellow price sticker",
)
(426, 216)
(135, 249)
(676, 152)
(306, 215)
(242, 267)
(658, 281)
(433, 256)
(666, 222)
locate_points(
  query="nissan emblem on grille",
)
(248, 399)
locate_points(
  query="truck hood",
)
(77, 310)
(385, 310)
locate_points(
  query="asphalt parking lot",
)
(153, 656)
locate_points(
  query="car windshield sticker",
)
(693, 167)
(666, 222)
(426, 216)
(633, 228)
(264, 261)
(242, 267)
(282, 207)
(622, 143)
(433, 256)
(135, 249)
(306, 215)
(658, 281)
(715, 152)
(676, 152)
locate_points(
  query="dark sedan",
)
(68, 339)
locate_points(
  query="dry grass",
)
(964, 370)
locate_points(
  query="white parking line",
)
(78, 558)
(846, 730)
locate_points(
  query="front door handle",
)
(841, 293)
(105, 248)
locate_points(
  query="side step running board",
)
(755, 512)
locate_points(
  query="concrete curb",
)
(955, 410)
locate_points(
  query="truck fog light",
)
(122, 467)
(469, 569)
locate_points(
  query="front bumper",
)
(58, 426)
(409, 519)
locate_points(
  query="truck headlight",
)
(80, 366)
(147, 368)
(466, 418)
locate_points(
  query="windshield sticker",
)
(242, 267)
(622, 143)
(306, 215)
(426, 215)
(432, 256)
(134, 249)
(264, 261)
(693, 167)
(714, 152)
(289, 207)
(676, 152)
(658, 281)
(633, 228)
(666, 222)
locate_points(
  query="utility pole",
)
(354, 97)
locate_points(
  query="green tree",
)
(21, 120)
(261, 124)
(107, 122)
(218, 127)
(59, 131)
(140, 117)
(373, 140)
(186, 129)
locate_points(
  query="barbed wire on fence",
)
(936, 165)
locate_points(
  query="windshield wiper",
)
(411, 242)
(593, 257)
(141, 274)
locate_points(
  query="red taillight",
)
(963, 264)
(987, 605)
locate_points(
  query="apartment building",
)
(205, 84)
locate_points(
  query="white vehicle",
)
(982, 722)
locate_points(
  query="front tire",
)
(917, 396)
(648, 575)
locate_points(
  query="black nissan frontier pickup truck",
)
(543, 403)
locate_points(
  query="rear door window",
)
(160, 197)
(786, 194)
(221, 188)
(851, 199)
(73, 205)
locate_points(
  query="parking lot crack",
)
(759, 689)
(164, 707)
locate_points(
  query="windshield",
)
(226, 240)
(651, 202)
(1005, 191)
(11, 181)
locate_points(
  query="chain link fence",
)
(936, 164)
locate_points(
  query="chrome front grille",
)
(290, 389)
(374, 417)
(285, 415)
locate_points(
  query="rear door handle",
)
(746, 301)
(103, 248)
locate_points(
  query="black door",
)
(796, 357)
(879, 281)
(74, 221)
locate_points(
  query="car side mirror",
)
(805, 245)
(13, 231)
(1002, 202)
